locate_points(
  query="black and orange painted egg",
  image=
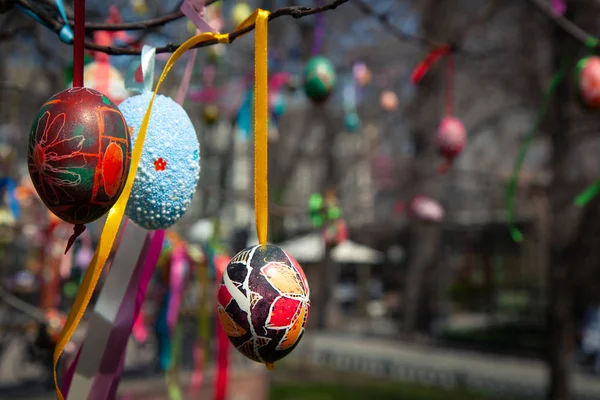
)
(79, 154)
(263, 303)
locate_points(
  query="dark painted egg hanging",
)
(79, 154)
(263, 303)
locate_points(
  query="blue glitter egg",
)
(170, 165)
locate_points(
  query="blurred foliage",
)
(505, 338)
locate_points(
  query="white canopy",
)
(201, 231)
(311, 249)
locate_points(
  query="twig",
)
(566, 25)
(384, 20)
(481, 16)
(294, 11)
(127, 26)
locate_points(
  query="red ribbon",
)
(222, 340)
(424, 66)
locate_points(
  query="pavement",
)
(386, 358)
(432, 365)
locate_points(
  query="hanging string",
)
(78, 45)
(78, 63)
(319, 33)
(515, 233)
(261, 126)
(450, 85)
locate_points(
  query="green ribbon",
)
(588, 194)
(515, 233)
(172, 376)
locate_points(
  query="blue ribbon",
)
(163, 335)
(147, 61)
(65, 34)
(11, 188)
(244, 117)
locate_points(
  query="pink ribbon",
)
(144, 282)
(275, 84)
(106, 382)
(66, 263)
(86, 252)
(198, 372)
(176, 284)
(194, 12)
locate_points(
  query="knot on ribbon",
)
(222, 37)
(66, 34)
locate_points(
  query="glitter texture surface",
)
(170, 165)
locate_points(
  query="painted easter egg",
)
(426, 209)
(79, 154)
(588, 81)
(362, 73)
(451, 138)
(319, 79)
(170, 164)
(240, 12)
(210, 114)
(388, 101)
(263, 303)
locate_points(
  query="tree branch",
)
(570, 28)
(482, 15)
(384, 20)
(125, 26)
(294, 11)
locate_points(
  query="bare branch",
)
(482, 15)
(384, 20)
(294, 11)
(566, 25)
(126, 26)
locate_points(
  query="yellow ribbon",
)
(261, 126)
(115, 215)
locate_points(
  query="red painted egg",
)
(263, 303)
(451, 138)
(588, 80)
(79, 154)
(426, 209)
